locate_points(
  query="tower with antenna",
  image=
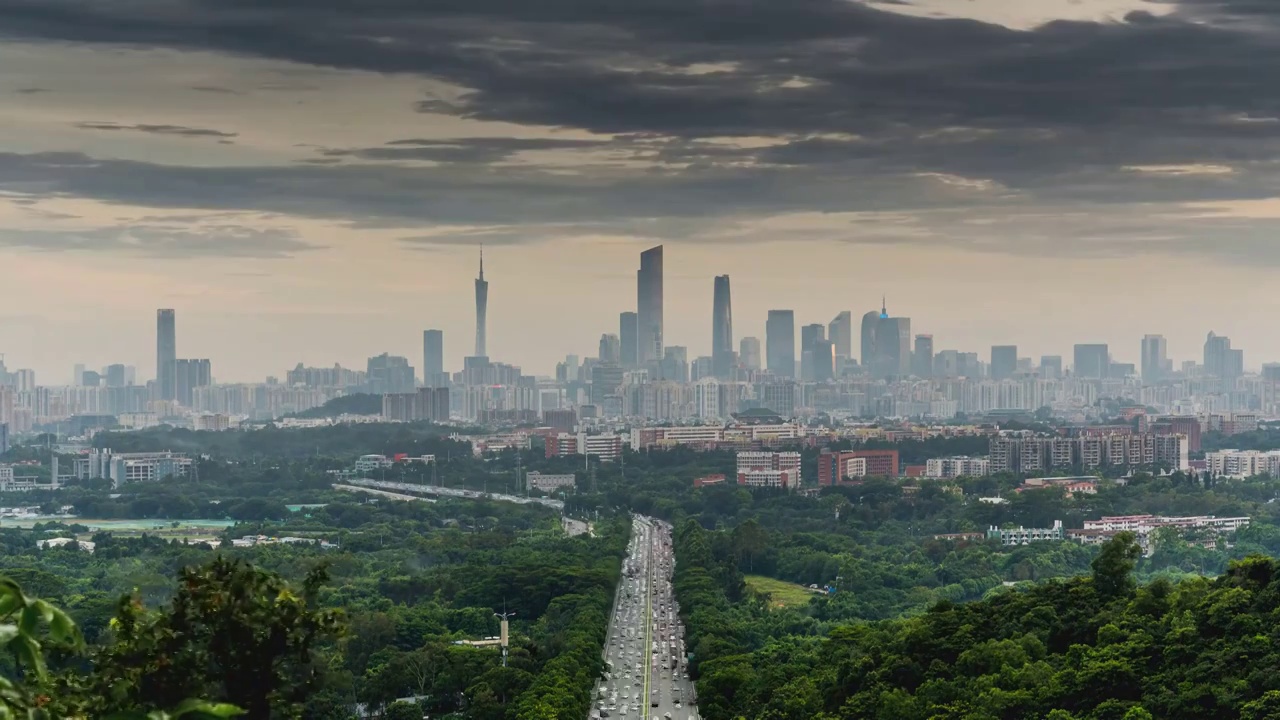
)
(482, 310)
(504, 632)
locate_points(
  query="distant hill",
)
(356, 404)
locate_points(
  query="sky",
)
(310, 182)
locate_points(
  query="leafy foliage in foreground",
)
(1092, 648)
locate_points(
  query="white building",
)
(369, 463)
(1024, 536)
(123, 468)
(607, 447)
(960, 466)
(1240, 464)
(1143, 524)
(769, 469)
(548, 483)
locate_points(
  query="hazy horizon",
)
(312, 186)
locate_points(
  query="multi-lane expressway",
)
(644, 653)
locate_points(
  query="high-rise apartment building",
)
(840, 333)
(166, 354)
(192, 374)
(482, 311)
(780, 343)
(1156, 365)
(649, 308)
(675, 364)
(1092, 360)
(433, 374)
(922, 358)
(628, 329)
(1220, 360)
(605, 381)
(722, 329)
(1004, 361)
(749, 353)
(390, 375)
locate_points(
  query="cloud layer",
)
(685, 119)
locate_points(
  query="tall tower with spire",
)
(482, 309)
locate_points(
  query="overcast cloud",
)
(370, 130)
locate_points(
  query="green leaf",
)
(202, 708)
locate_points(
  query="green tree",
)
(1113, 567)
(233, 632)
(403, 711)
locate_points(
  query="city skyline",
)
(320, 205)
(1118, 353)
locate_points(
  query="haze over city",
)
(306, 185)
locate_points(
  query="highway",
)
(458, 493)
(645, 647)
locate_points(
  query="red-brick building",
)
(835, 467)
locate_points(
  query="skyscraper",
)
(810, 336)
(115, 376)
(1004, 361)
(1051, 367)
(433, 374)
(649, 308)
(166, 354)
(749, 353)
(890, 344)
(722, 329)
(1155, 358)
(482, 311)
(1092, 360)
(780, 343)
(840, 333)
(822, 360)
(628, 325)
(610, 348)
(922, 358)
(870, 322)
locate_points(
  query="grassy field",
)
(781, 594)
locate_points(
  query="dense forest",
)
(917, 625)
(405, 582)
(1098, 647)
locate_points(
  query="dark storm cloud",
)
(482, 150)
(163, 241)
(768, 67)
(870, 109)
(179, 130)
(215, 89)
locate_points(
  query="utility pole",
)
(504, 635)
